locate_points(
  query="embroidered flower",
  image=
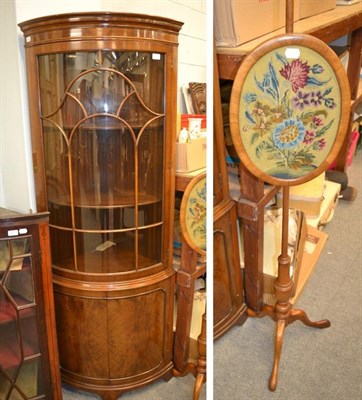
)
(316, 98)
(329, 103)
(278, 114)
(309, 137)
(288, 134)
(262, 127)
(316, 121)
(296, 73)
(260, 110)
(320, 144)
(249, 98)
(317, 69)
(301, 100)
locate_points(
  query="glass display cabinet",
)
(102, 92)
(29, 367)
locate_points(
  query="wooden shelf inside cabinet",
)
(114, 199)
(327, 27)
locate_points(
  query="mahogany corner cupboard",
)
(29, 366)
(102, 93)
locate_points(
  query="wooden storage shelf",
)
(116, 199)
(327, 26)
(108, 262)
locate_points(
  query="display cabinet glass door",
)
(103, 120)
(20, 355)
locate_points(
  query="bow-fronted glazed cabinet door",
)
(102, 93)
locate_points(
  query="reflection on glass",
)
(28, 381)
(20, 246)
(106, 252)
(29, 331)
(62, 247)
(20, 358)
(4, 256)
(19, 281)
(149, 248)
(103, 123)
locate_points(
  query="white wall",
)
(16, 178)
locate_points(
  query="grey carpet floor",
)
(315, 364)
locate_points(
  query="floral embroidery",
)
(196, 214)
(288, 134)
(286, 117)
(301, 100)
(297, 73)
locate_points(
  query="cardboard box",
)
(272, 245)
(313, 245)
(307, 8)
(347, 2)
(239, 21)
(307, 197)
(191, 156)
(329, 203)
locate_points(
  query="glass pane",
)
(7, 309)
(103, 124)
(29, 331)
(150, 180)
(61, 243)
(102, 164)
(106, 253)
(145, 70)
(5, 385)
(57, 174)
(10, 350)
(149, 246)
(4, 256)
(19, 281)
(150, 213)
(20, 246)
(29, 380)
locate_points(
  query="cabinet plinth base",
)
(113, 390)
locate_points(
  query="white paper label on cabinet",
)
(156, 56)
(13, 232)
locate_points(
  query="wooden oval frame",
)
(183, 214)
(332, 59)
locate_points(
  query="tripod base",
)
(281, 323)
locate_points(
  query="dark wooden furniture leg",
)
(201, 362)
(282, 313)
